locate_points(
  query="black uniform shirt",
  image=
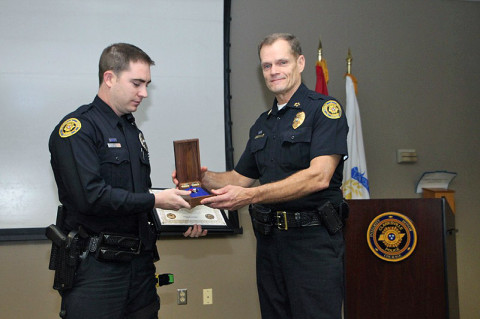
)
(102, 170)
(284, 142)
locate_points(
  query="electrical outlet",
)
(207, 296)
(182, 296)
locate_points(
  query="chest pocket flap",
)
(258, 144)
(300, 135)
(114, 156)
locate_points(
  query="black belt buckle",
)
(282, 222)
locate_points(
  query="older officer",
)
(296, 150)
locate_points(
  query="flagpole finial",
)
(349, 61)
(319, 50)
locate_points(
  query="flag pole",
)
(349, 62)
(321, 72)
(319, 51)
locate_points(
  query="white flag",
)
(355, 179)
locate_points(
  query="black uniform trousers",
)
(300, 273)
(113, 290)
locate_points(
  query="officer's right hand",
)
(171, 199)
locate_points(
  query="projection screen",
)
(49, 67)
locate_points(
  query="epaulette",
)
(84, 108)
(317, 96)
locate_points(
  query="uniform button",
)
(278, 117)
(293, 136)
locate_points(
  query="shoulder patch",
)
(69, 127)
(332, 109)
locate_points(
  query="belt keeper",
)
(93, 244)
(279, 218)
(297, 216)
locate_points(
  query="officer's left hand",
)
(171, 199)
(195, 231)
(229, 197)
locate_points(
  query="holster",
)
(330, 218)
(64, 257)
(261, 220)
(65, 253)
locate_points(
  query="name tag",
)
(114, 145)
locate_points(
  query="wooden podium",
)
(422, 285)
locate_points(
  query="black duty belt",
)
(284, 220)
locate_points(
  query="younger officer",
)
(102, 169)
(296, 150)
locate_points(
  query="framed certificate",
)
(177, 221)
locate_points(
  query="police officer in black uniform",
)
(102, 169)
(296, 151)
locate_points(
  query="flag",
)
(355, 179)
(322, 77)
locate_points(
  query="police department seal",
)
(332, 109)
(69, 127)
(392, 236)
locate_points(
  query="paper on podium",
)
(436, 179)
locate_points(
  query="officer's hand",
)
(171, 199)
(195, 231)
(229, 197)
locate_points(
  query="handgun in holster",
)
(65, 253)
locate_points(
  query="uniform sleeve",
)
(247, 165)
(330, 129)
(76, 165)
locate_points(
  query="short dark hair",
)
(290, 38)
(117, 57)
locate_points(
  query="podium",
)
(422, 285)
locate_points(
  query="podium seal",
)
(392, 236)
